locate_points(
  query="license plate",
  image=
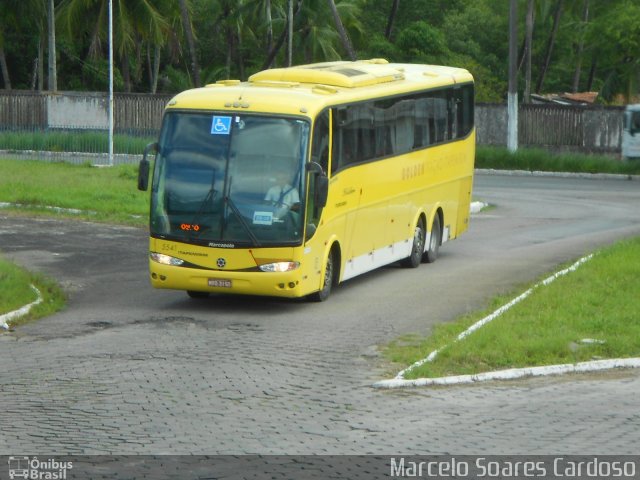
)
(219, 282)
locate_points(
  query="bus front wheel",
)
(327, 280)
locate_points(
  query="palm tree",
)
(580, 47)
(528, 45)
(344, 37)
(392, 17)
(4, 69)
(18, 16)
(135, 22)
(188, 31)
(550, 43)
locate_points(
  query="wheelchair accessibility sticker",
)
(221, 125)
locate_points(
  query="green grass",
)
(71, 141)
(597, 301)
(103, 194)
(16, 291)
(541, 160)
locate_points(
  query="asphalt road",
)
(126, 369)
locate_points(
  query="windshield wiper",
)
(243, 222)
(208, 199)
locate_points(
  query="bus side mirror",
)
(321, 183)
(322, 190)
(314, 167)
(144, 167)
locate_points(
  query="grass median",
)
(537, 160)
(16, 291)
(72, 141)
(107, 195)
(588, 314)
(101, 194)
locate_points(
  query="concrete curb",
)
(525, 173)
(514, 373)
(8, 317)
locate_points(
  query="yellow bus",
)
(304, 177)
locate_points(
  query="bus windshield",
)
(229, 180)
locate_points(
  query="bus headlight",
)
(165, 259)
(279, 266)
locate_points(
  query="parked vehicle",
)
(631, 132)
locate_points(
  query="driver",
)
(282, 194)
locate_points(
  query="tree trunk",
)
(576, 75)
(153, 68)
(341, 31)
(41, 64)
(592, 74)
(268, 63)
(188, 31)
(528, 47)
(239, 53)
(34, 74)
(269, 26)
(4, 69)
(392, 18)
(290, 34)
(230, 50)
(126, 74)
(550, 44)
(274, 50)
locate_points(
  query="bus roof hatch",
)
(336, 74)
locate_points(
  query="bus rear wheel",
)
(435, 239)
(413, 260)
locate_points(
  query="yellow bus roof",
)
(307, 89)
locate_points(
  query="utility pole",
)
(110, 109)
(53, 80)
(512, 96)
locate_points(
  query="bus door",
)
(360, 186)
(344, 186)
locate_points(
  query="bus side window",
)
(320, 150)
(339, 118)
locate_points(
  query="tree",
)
(392, 17)
(344, 37)
(4, 69)
(423, 43)
(528, 45)
(17, 17)
(580, 47)
(188, 31)
(136, 22)
(550, 43)
(613, 37)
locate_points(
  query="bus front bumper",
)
(278, 284)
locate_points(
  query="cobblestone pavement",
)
(126, 369)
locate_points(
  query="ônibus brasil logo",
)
(32, 468)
